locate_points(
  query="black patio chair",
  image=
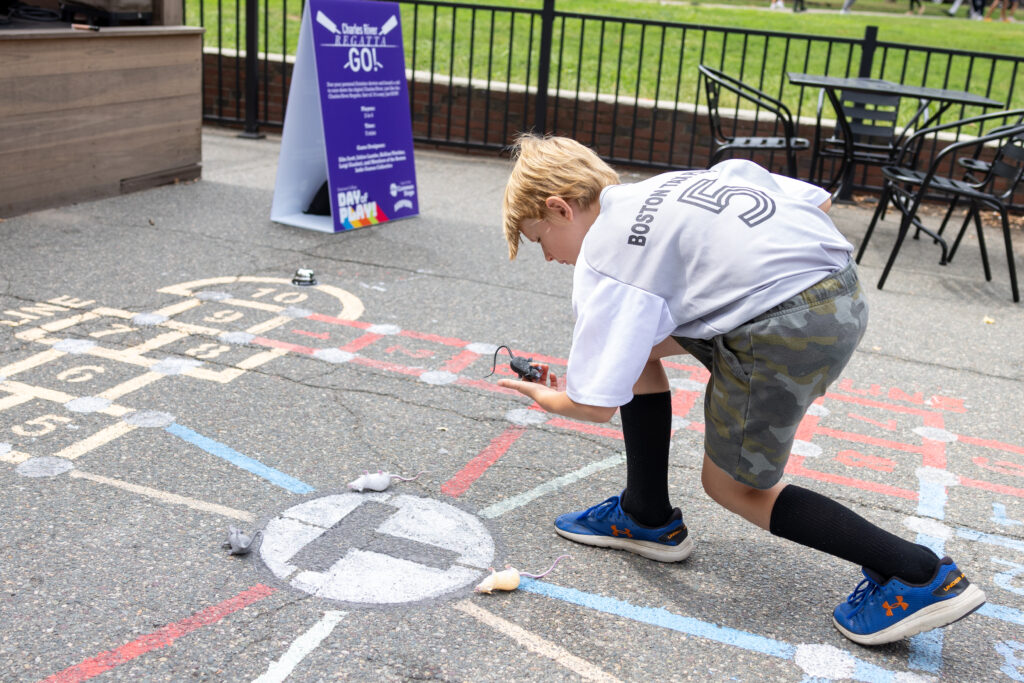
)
(874, 141)
(975, 167)
(907, 183)
(714, 83)
(975, 171)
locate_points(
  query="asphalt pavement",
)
(162, 381)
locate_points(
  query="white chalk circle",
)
(806, 449)
(5, 448)
(929, 527)
(482, 348)
(911, 677)
(818, 411)
(212, 295)
(334, 355)
(175, 366)
(384, 329)
(74, 346)
(438, 377)
(87, 404)
(525, 417)
(238, 338)
(152, 419)
(935, 434)
(148, 319)
(46, 466)
(934, 475)
(386, 564)
(824, 661)
(296, 312)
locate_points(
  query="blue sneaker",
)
(878, 612)
(608, 526)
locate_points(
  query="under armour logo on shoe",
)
(623, 532)
(899, 603)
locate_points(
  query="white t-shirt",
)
(691, 254)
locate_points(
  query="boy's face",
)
(560, 233)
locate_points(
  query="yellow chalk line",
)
(30, 391)
(103, 436)
(268, 325)
(179, 307)
(64, 323)
(166, 496)
(127, 387)
(22, 389)
(257, 305)
(155, 343)
(30, 362)
(223, 376)
(191, 328)
(535, 643)
(14, 457)
(258, 359)
(13, 400)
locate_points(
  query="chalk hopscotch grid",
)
(461, 360)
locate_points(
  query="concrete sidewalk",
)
(161, 380)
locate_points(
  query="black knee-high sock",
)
(818, 522)
(647, 432)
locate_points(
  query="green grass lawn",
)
(934, 28)
(500, 54)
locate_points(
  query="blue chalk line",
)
(235, 458)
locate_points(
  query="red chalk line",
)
(105, 661)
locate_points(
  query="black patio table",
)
(834, 84)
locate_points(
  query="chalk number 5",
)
(37, 426)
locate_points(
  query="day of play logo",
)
(356, 211)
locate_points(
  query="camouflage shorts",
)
(766, 373)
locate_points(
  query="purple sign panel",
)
(364, 101)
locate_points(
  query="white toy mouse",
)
(377, 482)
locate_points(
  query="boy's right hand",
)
(547, 378)
(534, 389)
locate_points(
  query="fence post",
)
(547, 25)
(867, 51)
(252, 126)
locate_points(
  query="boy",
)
(742, 269)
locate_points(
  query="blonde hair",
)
(548, 166)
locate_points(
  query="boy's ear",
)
(560, 207)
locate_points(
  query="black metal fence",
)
(627, 87)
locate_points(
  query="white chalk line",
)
(522, 499)
(535, 643)
(300, 648)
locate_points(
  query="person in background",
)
(1003, 6)
(974, 9)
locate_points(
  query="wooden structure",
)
(91, 114)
